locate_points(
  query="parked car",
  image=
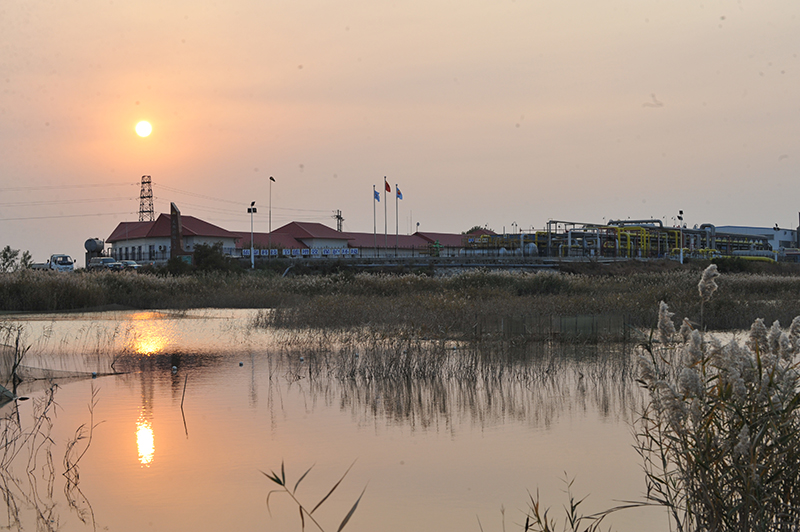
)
(130, 265)
(103, 263)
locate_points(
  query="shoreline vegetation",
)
(720, 433)
(455, 306)
(719, 430)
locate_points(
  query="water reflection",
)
(28, 476)
(256, 397)
(435, 387)
(145, 441)
(82, 343)
(148, 335)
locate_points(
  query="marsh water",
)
(166, 421)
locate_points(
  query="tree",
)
(211, 258)
(25, 260)
(9, 261)
(475, 228)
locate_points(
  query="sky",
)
(498, 113)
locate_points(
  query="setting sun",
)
(143, 128)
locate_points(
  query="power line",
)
(51, 187)
(298, 210)
(61, 202)
(239, 203)
(66, 216)
(204, 208)
(195, 194)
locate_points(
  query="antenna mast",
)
(146, 200)
(337, 215)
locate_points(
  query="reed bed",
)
(720, 439)
(719, 436)
(446, 307)
(455, 307)
(431, 383)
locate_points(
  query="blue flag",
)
(377, 195)
(399, 194)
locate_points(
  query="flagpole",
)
(385, 228)
(271, 180)
(396, 220)
(374, 220)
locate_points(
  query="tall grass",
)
(12, 353)
(720, 439)
(31, 447)
(28, 469)
(444, 306)
(431, 382)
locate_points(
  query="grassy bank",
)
(434, 306)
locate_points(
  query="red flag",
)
(388, 188)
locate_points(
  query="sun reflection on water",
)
(145, 441)
(150, 335)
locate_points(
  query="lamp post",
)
(680, 224)
(271, 180)
(252, 210)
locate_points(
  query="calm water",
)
(461, 442)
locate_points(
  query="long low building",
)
(153, 241)
(310, 239)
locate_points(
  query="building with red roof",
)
(151, 241)
(315, 239)
(383, 245)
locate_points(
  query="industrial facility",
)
(156, 239)
(153, 241)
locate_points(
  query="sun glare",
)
(145, 441)
(143, 128)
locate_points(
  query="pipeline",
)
(636, 222)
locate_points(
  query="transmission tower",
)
(146, 200)
(337, 215)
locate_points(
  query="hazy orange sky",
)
(485, 113)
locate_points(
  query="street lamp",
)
(271, 180)
(252, 210)
(680, 224)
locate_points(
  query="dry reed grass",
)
(443, 306)
(719, 436)
(720, 439)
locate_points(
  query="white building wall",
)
(150, 249)
(779, 238)
(320, 243)
(139, 249)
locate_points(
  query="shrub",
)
(211, 258)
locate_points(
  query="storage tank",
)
(94, 245)
(94, 248)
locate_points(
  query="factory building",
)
(640, 239)
(779, 239)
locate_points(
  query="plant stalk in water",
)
(280, 480)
